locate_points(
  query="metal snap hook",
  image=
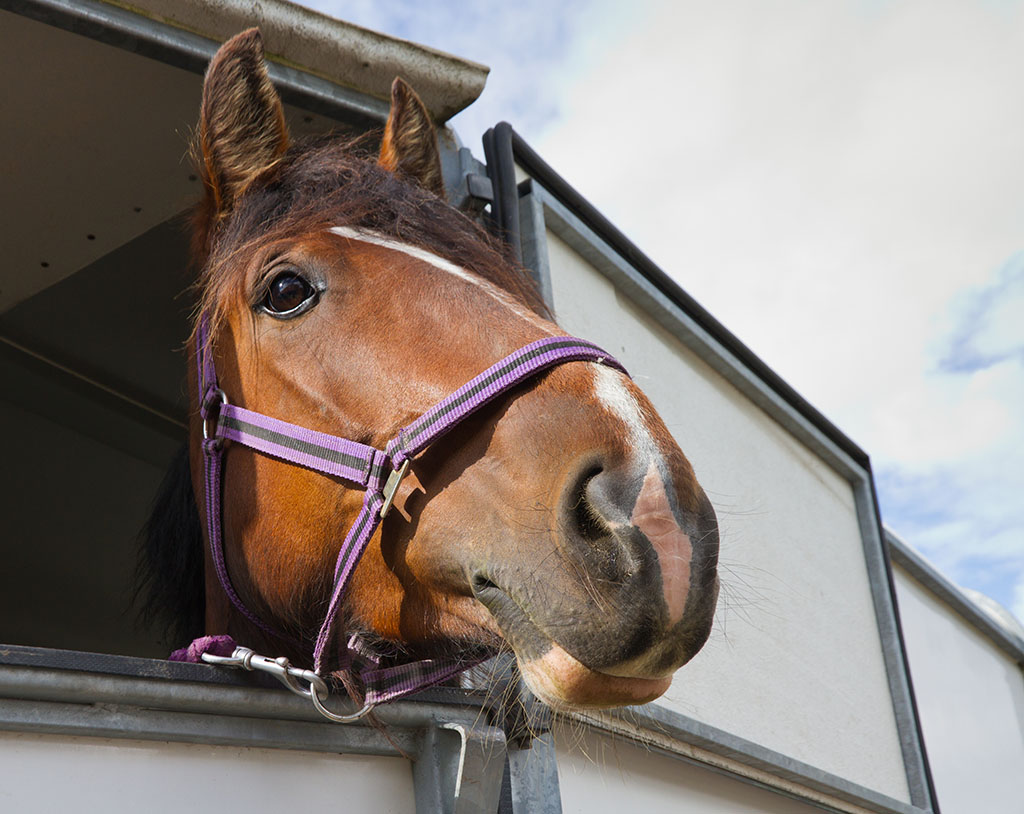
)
(292, 677)
(246, 659)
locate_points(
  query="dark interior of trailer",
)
(95, 304)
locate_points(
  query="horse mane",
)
(319, 183)
(169, 587)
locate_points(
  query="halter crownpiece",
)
(379, 472)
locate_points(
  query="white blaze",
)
(376, 239)
(652, 513)
(610, 389)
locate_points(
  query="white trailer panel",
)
(970, 691)
(796, 654)
(101, 774)
(598, 775)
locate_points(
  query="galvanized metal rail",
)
(458, 754)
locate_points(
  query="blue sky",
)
(839, 181)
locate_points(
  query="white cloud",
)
(991, 320)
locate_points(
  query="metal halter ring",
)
(211, 397)
(333, 716)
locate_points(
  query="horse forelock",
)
(330, 182)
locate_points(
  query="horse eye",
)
(288, 295)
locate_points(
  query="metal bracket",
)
(459, 769)
(469, 189)
(479, 186)
(534, 778)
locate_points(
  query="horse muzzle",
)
(625, 596)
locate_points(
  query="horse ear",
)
(242, 130)
(409, 146)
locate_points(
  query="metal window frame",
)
(521, 213)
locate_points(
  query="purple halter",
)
(379, 472)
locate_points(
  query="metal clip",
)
(317, 690)
(394, 479)
(280, 668)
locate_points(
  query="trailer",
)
(814, 692)
(966, 654)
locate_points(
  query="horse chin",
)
(556, 677)
(564, 684)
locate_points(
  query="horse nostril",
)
(481, 583)
(594, 525)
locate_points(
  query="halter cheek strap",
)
(379, 472)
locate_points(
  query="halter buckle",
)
(394, 479)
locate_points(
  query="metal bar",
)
(894, 651)
(502, 172)
(107, 720)
(239, 698)
(533, 241)
(534, 778)
(433, 770)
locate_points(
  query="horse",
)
(340, 291)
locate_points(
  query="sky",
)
(840, 182)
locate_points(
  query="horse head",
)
(343, 294)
